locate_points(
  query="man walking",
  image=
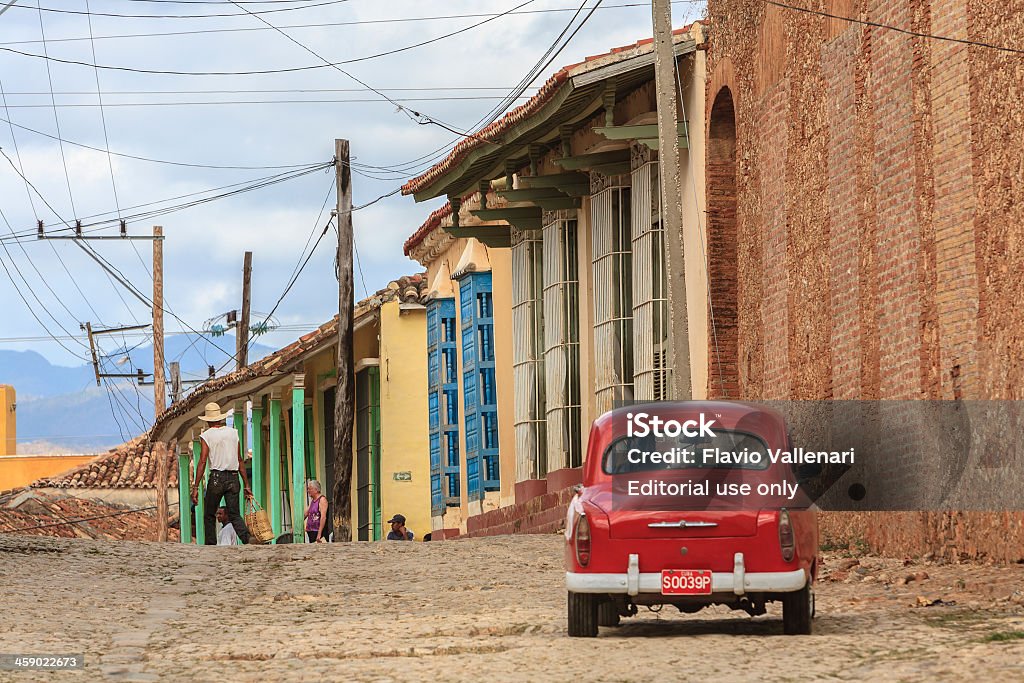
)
(220, 446)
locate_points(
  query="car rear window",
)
(724, 450)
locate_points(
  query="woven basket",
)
(258, 521)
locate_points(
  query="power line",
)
(149, 159)
(56, 118)
(351, 100)
(897, 29)
(326, 63)
(323, 3)
(249, 186)
(362, 22)
(87, 519)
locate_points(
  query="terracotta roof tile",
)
(494, 131)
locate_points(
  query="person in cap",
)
(398, 531)
(227, 530)
(221, 448)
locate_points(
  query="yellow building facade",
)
(8, 420)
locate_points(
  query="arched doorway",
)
(723, 271)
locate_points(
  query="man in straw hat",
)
(220, 446)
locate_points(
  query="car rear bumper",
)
(738, 581)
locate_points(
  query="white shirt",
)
(227, 535)
(223, 445)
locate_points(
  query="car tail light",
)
(582, 541)
(786, 536)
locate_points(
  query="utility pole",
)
(344, 393)
(92, 349)
(242, 328)
(175, 381)
(671, 196)
(159, 391)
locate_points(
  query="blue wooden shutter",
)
(443, 405)
(480, 399)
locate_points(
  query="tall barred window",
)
(528, 354)
(652, 365)
(562, 344)
(613, 296)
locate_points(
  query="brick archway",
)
(723, 271)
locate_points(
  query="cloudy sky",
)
(270, 121)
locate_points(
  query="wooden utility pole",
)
(344, 396)
(671, 196)
(159, 391)
(92, 349)
(242, 328)
(160, 453)
(175, 381)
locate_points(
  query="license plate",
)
(685, 581)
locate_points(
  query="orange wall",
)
(21, 470)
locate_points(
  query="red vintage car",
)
(689, 517)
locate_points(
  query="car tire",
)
(607, 614)
(797, 611)
(582, 615)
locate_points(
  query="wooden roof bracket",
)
(536, 152)
(608, 101)
(456, 203)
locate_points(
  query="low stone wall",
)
(543, 514)
(954, 536)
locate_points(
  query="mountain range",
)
(60, 408)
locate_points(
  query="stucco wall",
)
(22, 470)
(8, 421)
(403, 417)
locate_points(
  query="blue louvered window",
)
(443, 405)
(480, 394)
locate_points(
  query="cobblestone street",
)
(482, 609)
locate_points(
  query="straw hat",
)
(213, 413)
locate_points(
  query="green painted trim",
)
(298, 497)
(596, 159)
(184, 501)
(529, 194)
(507, 213)
(557, 203)
(555, 180)
(239, 420)
(333, 372)
(197, 449)
(375, 428)
(275, 467)
(257, 455)
(482, 232)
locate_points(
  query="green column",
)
(184, 500)
(200, 506)
(275, 464)
(298, 458)
(257, 453)
(239, 418)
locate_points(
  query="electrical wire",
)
(897, 29)
(56, 118)
(309, 67)
(197, 103)
(332, 24)
(150, 159)
(87, 519)
(322, 3)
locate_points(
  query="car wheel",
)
(607, 614)
(582, 615)
(797, 610)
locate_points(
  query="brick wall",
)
(879, 218)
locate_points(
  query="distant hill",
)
(63, 406)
